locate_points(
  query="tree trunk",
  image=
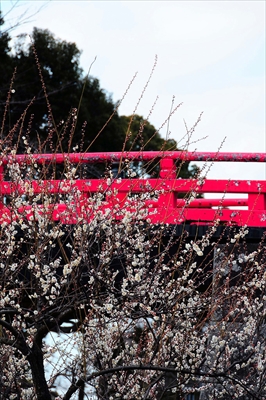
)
(35, 359)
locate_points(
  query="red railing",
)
(163, 203)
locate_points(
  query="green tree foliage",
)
(62, 106)
(6, 62)
(63, 80)
(141, 135)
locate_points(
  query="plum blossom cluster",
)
(155, 315)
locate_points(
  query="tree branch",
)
(19, 343)
(74, 387)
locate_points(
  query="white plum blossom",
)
(142, 312)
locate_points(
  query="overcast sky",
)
(211, 58)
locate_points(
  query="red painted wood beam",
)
(136, 156)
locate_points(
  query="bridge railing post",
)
(256, 201)
(167, 199)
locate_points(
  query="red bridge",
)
(167, 199)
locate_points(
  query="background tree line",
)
(80, 107)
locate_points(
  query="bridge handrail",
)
(94, 157)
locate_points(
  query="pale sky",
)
(211, 58)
